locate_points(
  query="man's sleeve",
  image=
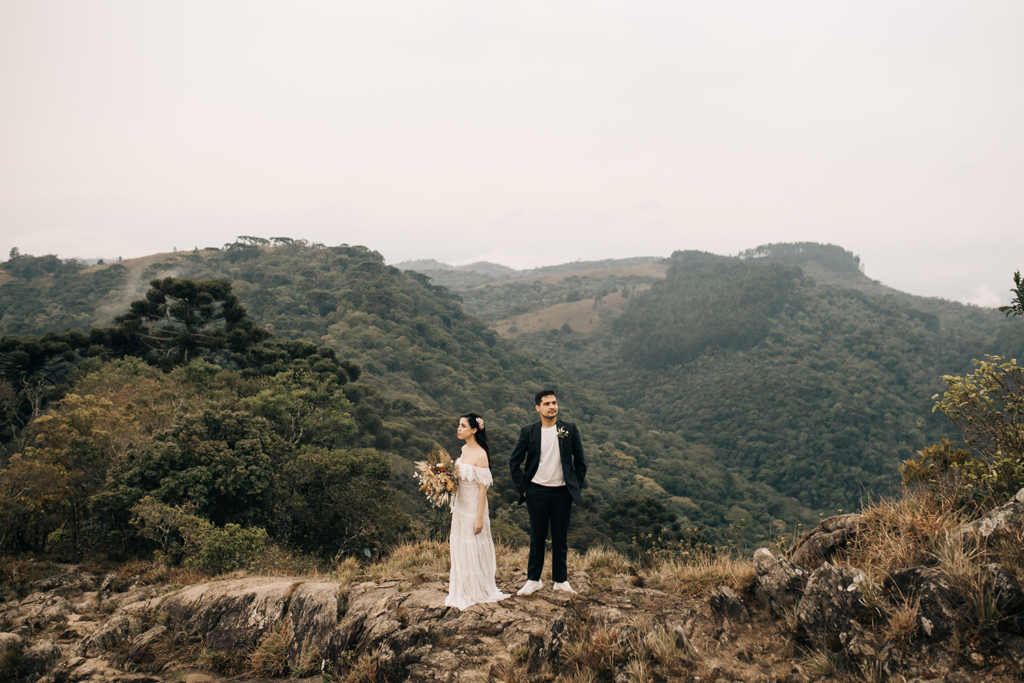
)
(579, 463)
(515, 462)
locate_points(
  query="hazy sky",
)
(527, 133)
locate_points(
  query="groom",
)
(548, 470)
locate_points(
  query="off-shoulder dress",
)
(473, 565)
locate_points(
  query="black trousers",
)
(548, 505)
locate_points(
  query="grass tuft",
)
(271, 655)
(821, 664)
(902, 626)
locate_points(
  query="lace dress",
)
(472, 576)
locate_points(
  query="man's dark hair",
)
(542, 394)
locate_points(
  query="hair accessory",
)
(480, 421)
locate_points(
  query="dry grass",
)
(638, 671)
(961, 565)
(365, 669)
(578, 676)
(153, 572)
(601, 562)
(593, 647)
(227, 663)
(1010, 552)
(12, 664)
(875, 599)
(424, 557)
(902, 626)
(902, 533)
(310, 663)
(697, 576)
(821, 664)
(510, 673)
(17, 573)
(345, 571)
(271, 655)
(642, 649)
(922, 528)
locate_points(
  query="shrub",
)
(987, 408)
(206, 548)
(227, 548)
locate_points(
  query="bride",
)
(472, 551)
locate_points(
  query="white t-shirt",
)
(549, 473)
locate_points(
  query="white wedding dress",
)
(473, 565)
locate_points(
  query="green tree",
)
(77, 443)
(338, 501)
(32, 369)
(220, 461)
(1016, 306)
(304, 409)
(181, 319)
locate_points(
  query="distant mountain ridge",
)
(484, 272)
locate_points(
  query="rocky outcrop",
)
(1006, 521)
(827, 541)
(831, 611)
(779, 583)
(726, 604)
(929, 588)
(26, 662)
(402, 623)
(117, 629)
(41, 656)
(116, 632)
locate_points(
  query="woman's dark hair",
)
(477, 422)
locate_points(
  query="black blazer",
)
(526, 459)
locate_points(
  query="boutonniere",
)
(562, 433)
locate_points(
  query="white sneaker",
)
(564, 586)
(530, 587)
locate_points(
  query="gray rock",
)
(826, 541)
(830, 609)
(1005, 590)
(233, 615)
(40, 609)
(727, 605)
(1003, 522)
(935, 615)
(143, 641)
(86, 602)
(72, 581)
(41, 657)
(117, 630)
(11, 641)
(779, 583)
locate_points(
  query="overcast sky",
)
(527, 133)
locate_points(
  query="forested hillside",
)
(720, 398)
(421, 359)
(817, 387)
